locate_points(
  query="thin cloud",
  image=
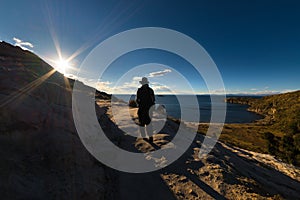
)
(159, 73)
(266, 92)
(104, 86)
(22, 44)
(137, 78)
(257, 92)
(132, 85)
(126, 87)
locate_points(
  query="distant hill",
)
(282, 113)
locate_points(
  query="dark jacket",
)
(145, 97)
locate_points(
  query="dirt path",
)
(226, 173)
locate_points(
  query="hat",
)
(144, 81)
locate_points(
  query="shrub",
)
(297, 141)
(272, 143)
(133, 104)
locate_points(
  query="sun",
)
(62, 65)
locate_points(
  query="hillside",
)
(282, 116)
(42, 156)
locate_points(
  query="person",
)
(145, 99)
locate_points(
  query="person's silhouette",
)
(145, 99)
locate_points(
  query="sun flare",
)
(62, 65)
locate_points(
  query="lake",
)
(235, 113)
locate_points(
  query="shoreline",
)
(235, 114)
(248, 136)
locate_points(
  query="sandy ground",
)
(226, 173)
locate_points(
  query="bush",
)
(133, 104)
(297, 141)
(272, 143)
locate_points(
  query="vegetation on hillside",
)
(281, 123)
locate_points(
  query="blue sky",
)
(255, 44)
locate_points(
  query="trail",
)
(226, 173)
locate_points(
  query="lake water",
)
(235, 113)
